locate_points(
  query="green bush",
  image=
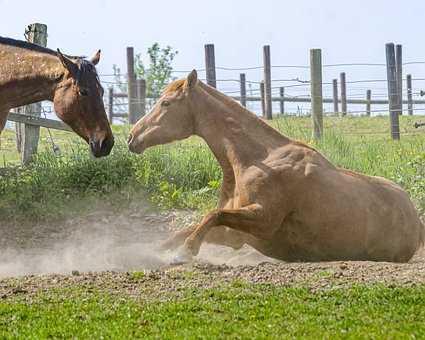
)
(186, 174)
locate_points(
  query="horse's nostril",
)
(130, 138)
(101, 147)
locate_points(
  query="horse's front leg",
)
(177, 238)
(220, 236)
(250, 219)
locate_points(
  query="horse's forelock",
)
(175, 86)
(86, 70)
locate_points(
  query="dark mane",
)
(85, 69)
(29, 46)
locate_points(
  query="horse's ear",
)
(96, 58)
(68, 64)
(192, 78)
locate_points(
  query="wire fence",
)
(294, 88)
(297, 87)
(293, 81)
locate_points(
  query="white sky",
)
(347, 31)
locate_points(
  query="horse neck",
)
(236, 136)
(27, 76)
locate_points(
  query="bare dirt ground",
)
(102, 249)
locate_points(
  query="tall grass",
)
(186, 175)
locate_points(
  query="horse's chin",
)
(99, 154)
(138, 149)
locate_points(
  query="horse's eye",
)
(83, 92)
(165, 103)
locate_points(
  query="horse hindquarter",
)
(383, 215)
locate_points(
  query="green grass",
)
(185, 174)
(231, 311)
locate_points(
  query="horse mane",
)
(239, 109)
(85, 67)
(32, 47)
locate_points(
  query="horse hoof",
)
(180, 259)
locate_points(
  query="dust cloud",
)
(102, 240)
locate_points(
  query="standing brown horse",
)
(30, 73)
(278, 195)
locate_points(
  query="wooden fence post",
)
(210, 65)
(392, 91)
(267, 82)
(368, 102)
(282, 100)
(263, 104)
(141, 97)
(409, 94)
(316, 92)
(132, 90)
(18, 129)
(243, 89)
(335, 95)
(399, 72)
(111, 104)
(28, 135)
(343, 94)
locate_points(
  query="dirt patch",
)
(103, 248)
(171, 282)
(105, 239)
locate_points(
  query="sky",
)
(346, 31)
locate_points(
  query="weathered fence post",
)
(141, 97)
(28, 135)
(242, 81)
(392, 91)
(399, 71)
(282, 100)
(343, 94)
(111, 104)
(132, 90)
(263, 103)
(335, 95)
(210, 65)
(18, 128)
(267, 82)
(368, 102)
(316, 92)
(409, 94)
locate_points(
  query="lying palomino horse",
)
(30, 73)
(278, 195)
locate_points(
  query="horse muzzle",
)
(134, 144)
(101, 148)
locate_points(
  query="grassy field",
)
(236, 311)
(185, 174)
